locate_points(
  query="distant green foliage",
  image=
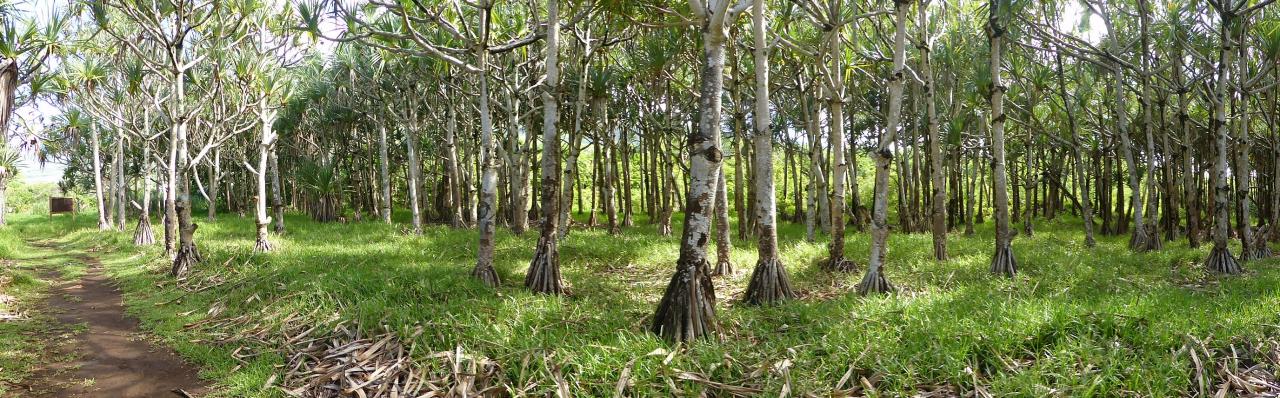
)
(28, 198)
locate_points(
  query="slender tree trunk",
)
(1003, 262)
(626, 179)
(874, 280)
(1140, 240)
(519, 174)
(1030, 182)
(938, 203)
(142, 234)
(414, 175)
(970, 203)
(277, 194)
(739, 173)
(122, 189)
(575, 142)
(383, 173)
(267, 139)
(489, 174)
(171, 197)
(769, 280)
(96, 145)
(1152, 227)
(816, 189)
(215, 174)
(544, 270)
(1220, 258)
(187, 255)
(606, 183)
(1251, 248)
(453, 172)
(724, 264)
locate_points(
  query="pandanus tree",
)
(769, 281)
(1000, 14)
(938, 202)
(263, 68)
(687, 309)
(544, 270)
(833, 18)
(25, 49)
(874, 281)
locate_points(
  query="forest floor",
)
(1076, 321)
(67, 334)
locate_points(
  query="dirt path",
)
(112, 357)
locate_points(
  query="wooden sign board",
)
(62, 205)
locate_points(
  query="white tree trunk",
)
(488, 176)
(384, 176)
(96, 145)
(1003, 262)
(769, 280)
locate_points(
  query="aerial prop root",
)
(687, 310)
(1003, 263)
(769, 283)
(874, 282)
(1221, 261)
(544, 271)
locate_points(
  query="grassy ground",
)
(1075, 322)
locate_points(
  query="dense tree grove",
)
(1152, 119)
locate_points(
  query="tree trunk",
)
(518, 174)
(96, 144)
(414, 177)
(383, 173)
(188, 255)
(769, 281)
(453, 172)
(267, 139)
(121, 189)
(215, 174)
(970, 203)
(724, 265)
(1152, 227)
(544, 270)
(687, 310)
(277, 194)
(1003, 262)
(606, 182)
(1220, 258)
(489, 174)
(816, 189)
(874, 280)
(570, 176)
(1250, 249)
(142, 234)
(938, 203)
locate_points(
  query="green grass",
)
(1075, 322)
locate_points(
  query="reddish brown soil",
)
(111, 356)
